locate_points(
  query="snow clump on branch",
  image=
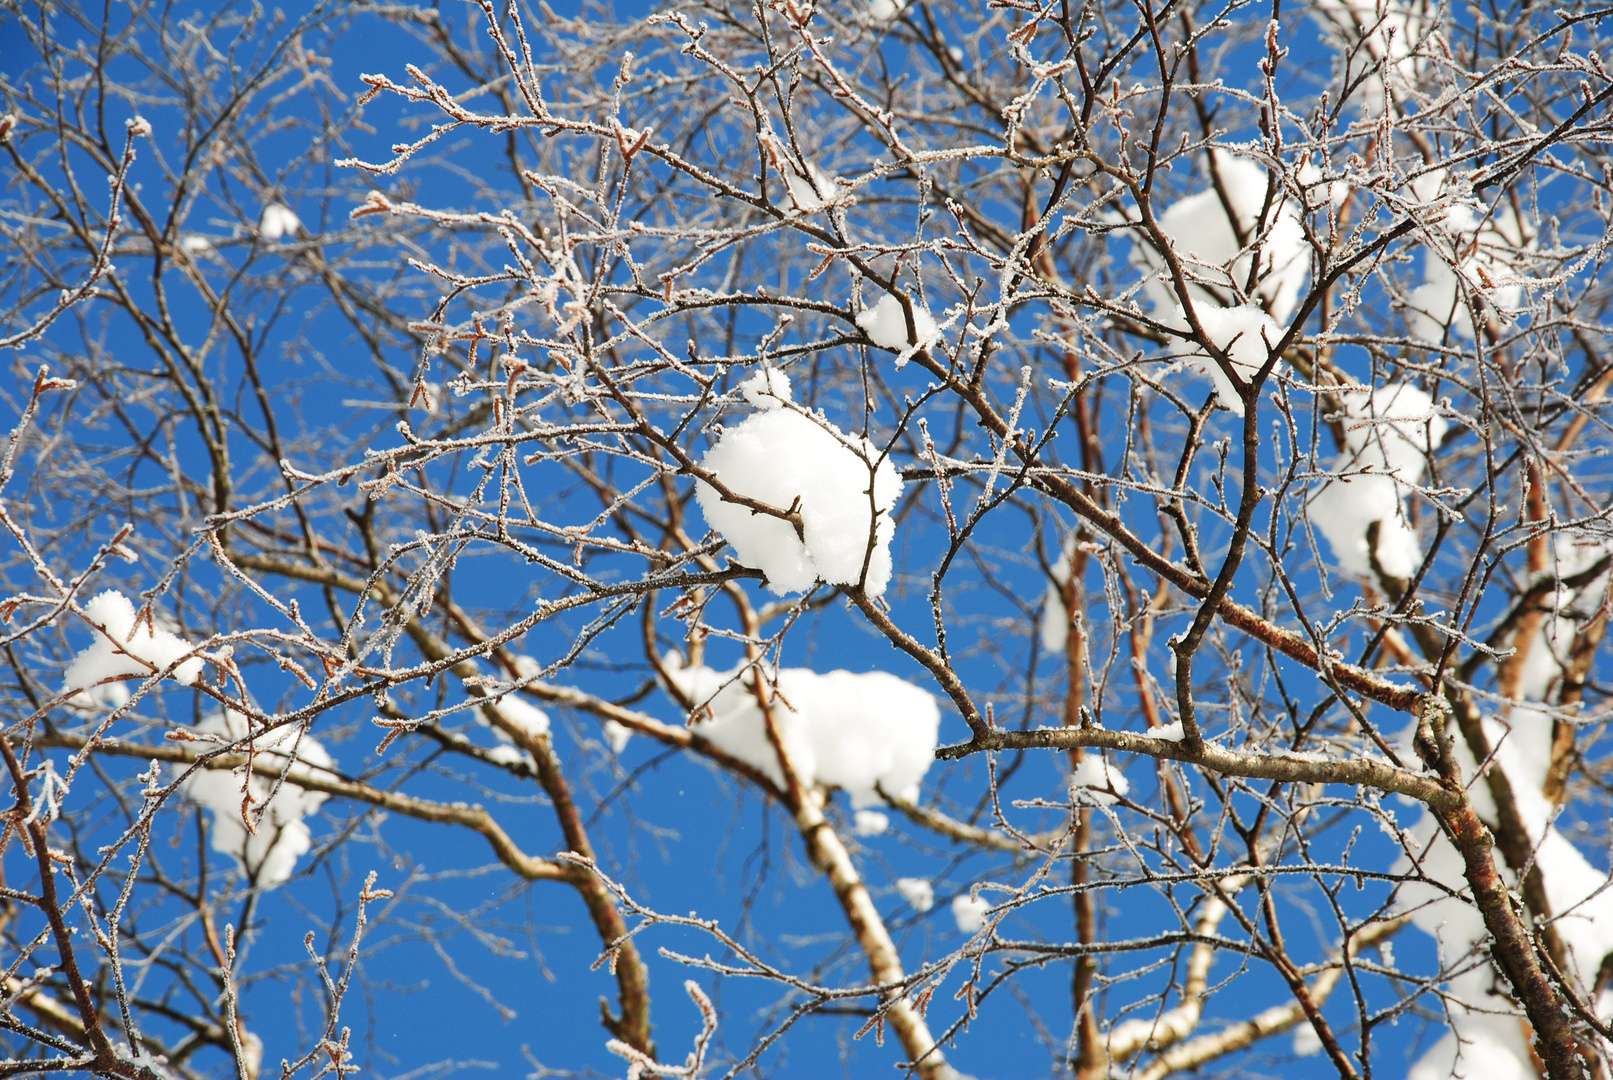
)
(886, 326)
(122, 650)
(1388, 32)
(859, 732)
(1093, 781)
(969, 912)
(918, 892)
(1245, 334)
(517, 713)
(839, 489)
(1055, 623)
(1581, 905)
(1472, 252)
(1215, 260)
(1388, 433)
(1217, 235)
(269, 855)
(811, 192)
(278, 221)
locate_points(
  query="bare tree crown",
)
(1121, 486)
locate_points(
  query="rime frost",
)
(786, 458)
(270, 855)
(840, 728)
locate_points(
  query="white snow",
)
(870, 822)
(518, 713)
(1202, 234)
(278, 221)
(121, 650)
(885, 10)
(840, 728)
(1094, 779)
(1470, 251)
(1487, 1041)
(1388, 31)
(886, 326)
(1245, 334)
(1055, 625)
(506, 753)
(1171, 732)
(969, 912)
(1492, 1047)
(918, 892)
(1394, 427)
(779, 456)
(1342, 512)
(811, 192)
(1306, 1041)
(195, 244)
(270, 855)
(1571, 556)
(616, 735)
(767, 388)
(1205, 237)
(529, 718)
(1389, 433)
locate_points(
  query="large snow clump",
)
(1389, 433)
(1217, 265)
(1471, 251)
(121, 651)
(840, 728)
(270, 855)
(1240, 319)
(785, 457)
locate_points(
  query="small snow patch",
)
(1093, 781)
(918, 892)
(969, 912)
(886, 326)
(870, 822)
(278, 221)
